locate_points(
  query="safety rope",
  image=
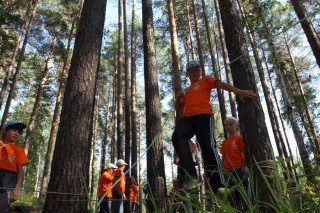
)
(263, 164)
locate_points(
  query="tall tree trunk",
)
(56, 113)
(119, 87)
(196, 28)
(105, 134)
(127, 92)
(134, 147)
(93, 149)
(155, 159)
(309, 125)
(280, 116)
(14, 54)
(222, 103)
(74, 134)
(126, 106)
(20, 60)
(271, 110)
(232, 100)
(190, 31)
(308, 28)
(114, 118)
(42, 82)
(176, 69)
(289, 110)
(251, 115)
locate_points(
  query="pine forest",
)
(95, 81)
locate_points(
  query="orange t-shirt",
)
(232, 148)
(122, 183)
(18, 157)
(197, 99)
(134, 189)
(106, 180)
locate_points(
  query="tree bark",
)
(251, 115)
(134, 147)
(105, 134)
(75, 130)
(56, 113)
(155, 159)
(119, 86)
(289, 110)
(190, 31)
(176, 69)
(232, 100)
(196, 28)
(308, 28)
(93, 150)
(304, 108)
(271, 110)
(222, 103)
(127, 92)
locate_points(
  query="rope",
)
(262, 164)
(265, 164)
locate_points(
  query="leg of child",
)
(211, 158)
(182, 133)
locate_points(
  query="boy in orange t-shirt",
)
(118, 193)
(197, 120)
(106, 181)
(234, 161)
(12, 160)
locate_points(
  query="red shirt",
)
(18, 157)
(197, 99)
(106, 180)
(232, 148)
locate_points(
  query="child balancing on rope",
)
(197, 120)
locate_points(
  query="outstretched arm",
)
(242, 94)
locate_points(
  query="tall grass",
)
(289, 195)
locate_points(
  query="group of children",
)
(197, 119)
(112, 189)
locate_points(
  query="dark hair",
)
(17, 127)
(20, 130)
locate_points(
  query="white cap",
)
(112, 166)
(121, 162)
(232, 119)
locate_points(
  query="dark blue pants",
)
(236, 178)
(105, 205)
(8, 181)
(202, 126)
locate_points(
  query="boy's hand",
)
(14, 195)
(242, 94)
